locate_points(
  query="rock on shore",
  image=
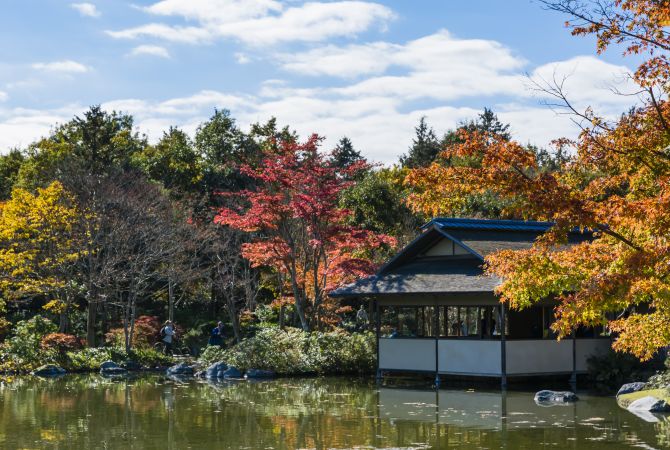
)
(48, 370)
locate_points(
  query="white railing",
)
(483, 357)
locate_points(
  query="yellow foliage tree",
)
(37, 241)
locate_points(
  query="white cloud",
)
(437, 53)
(381, 124)
(152, 50)
(260, 22)
(86, 9)
(215, 11)
(21, 126)
(436, 66)
(588, 81)
(65, 66)
(381, 91)
(3, 96)
(242, 58)
(186, 35)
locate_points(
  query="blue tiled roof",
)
(487, 224)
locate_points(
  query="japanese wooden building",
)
(436, 310)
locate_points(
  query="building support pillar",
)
(378, 321)
(436, 330)
(503, 348)
(573, 377)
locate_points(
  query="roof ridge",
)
(483, 224)
(489, 221)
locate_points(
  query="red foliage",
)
(60, 342)
(147, 331)
(300, 229)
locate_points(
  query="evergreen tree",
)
(10, 164)
(173, 161)
(344, 154)
(425, 147)
(488, 122)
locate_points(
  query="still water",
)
(152, 412)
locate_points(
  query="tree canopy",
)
(615, 185)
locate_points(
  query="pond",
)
(90, 412)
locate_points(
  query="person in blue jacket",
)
(216, 336)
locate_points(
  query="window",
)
(478, 322)
(408, 321)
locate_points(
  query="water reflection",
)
(90, 412)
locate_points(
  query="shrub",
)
(22, 351)
(609, 371)
(87, 359)
(90, 359)
(149, 357)
(212, 354)
(146, 332)
(294, 352)
(5, 327)
(60, 342)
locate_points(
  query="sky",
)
(368, 70)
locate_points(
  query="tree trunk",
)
(371, 311)
(126, 329)
(170, 300)
(297, 298)
(301, 314)
(132, 325)
(282, 308)
(90, 323)
(62, 317)
(62, 322)
(235, 320)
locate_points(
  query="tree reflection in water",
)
(90, 412)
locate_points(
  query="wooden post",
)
(573, 377)
(436, 330)
(378, 321)
(503, 348)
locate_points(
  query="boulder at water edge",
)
(554, 397)
(110, 368)
(216, 370)
(232, 372)
(257, 373)
(131, 365)
(631, 387)
(181, 369)
(650, 404)
(49, 370)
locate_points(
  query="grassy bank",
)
(286, 352)
(34, 343)
(295, 352)
(626, 399)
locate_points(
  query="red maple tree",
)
(298, 228)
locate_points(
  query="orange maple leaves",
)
(617, 184)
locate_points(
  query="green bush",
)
(149, 357)
(22, 351)
(87, 359)
(609, 371)
(212, 354)
(295, 352)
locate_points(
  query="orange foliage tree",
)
(297, 228)
(616, 184)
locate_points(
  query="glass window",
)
(408, 321)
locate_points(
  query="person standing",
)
(362, 318)
(168, 334)
(216, 336)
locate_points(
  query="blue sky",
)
(365, 69)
